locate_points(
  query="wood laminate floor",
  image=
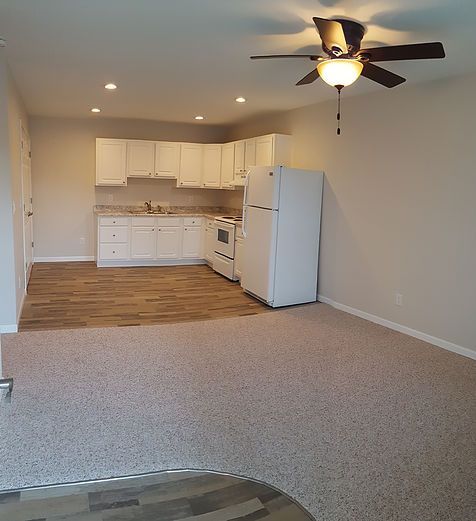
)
(78, 294)
(163, 496)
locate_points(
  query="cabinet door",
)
(191, 242)
(210, 244)
(264, 151)
(250, 153)
(167, 160)
(143, 243)
(211, 166)
(140, 158)
(239, 157)
(111, 162)
(227, 165)
(238, 257)
(168, 242)
(190, 174)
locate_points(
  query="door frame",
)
(26, 204)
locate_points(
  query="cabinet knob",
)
(113, 235)
(113, 251)
(123, 182)
(156, 173)
(152, 229)
(150, 173)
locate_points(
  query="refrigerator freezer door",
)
(262, 187)
(259, 256)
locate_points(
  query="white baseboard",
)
(21, 306)
(8, 328)
(439, 342)
(64, 259)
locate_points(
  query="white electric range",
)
(225, 230)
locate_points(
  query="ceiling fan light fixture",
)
(340, 71)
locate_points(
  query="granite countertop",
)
(170, 211)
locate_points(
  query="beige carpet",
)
(355, 421)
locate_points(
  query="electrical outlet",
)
(398, 299)
(109, 198)
(82, 240)
(19, 282)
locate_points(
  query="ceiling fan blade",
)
(331, 33)
(313, 57)
(382, 76)
(416, 51)
(309, 78)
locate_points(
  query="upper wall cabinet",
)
(190, 171)
(111, 162)
(192, 164)
(250, 153)
(274, 149)
(167, 160)
(227, 165)
(140, 158)
(211, 166)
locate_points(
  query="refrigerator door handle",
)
(245, 194)
(243, 229)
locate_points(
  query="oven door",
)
(225, 239)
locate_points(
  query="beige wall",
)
(63, 166)
(12, 112)
(399, 212)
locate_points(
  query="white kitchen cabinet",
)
(111, 162)
(227, 173)
(168, 242)
(238, 257)
(250, 153)
(264, 151)
(190, 171)
(209, 244)
(143, 242)
(272, 150)
(239, 160)
(245, 158)
(211, 166)
(191, 242)
(167, 160)
(140, 158)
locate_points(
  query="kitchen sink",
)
(144, 212)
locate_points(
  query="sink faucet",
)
(159, 208)
(148, 206)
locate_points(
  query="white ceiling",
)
(178, 58)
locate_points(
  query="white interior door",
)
(27, 205)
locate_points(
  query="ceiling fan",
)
(345, 61)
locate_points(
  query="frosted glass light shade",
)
(340, 71)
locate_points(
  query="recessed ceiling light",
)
(240, 99)
(199, 117)
(110, 86)
(95, 109)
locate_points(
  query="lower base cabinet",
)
(192, 242)
(168, 242)
(238, 257)
(149, 240)
(143, 243)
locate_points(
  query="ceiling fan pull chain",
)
(339, 88)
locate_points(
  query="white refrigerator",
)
(281, 229)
